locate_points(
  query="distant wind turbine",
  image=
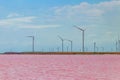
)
(71, 42)
(32, 42)
(62, 42)
(83, 42)
(94, 46)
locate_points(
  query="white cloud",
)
(13, 15)
(40, 26)
(23, 22)
(109, 4)
(10, 21)
(87, 9)
(16, 21)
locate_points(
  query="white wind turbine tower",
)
(94, 46)
(83, 40)
(33, 44)
(71, 42)
(62, 43)
(118, 44)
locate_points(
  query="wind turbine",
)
(32, 42)
(116, 44)
(94, 46)
(58, 49)
(67, 49)
(71, 42)
(83, 42)
(102, 49)
(119, 45)
(62, 42)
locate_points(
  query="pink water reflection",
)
(59, 67)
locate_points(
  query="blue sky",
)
(46, 19)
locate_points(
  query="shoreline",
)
(60, 53)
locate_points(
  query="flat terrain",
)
(66, 53)
(59, 67)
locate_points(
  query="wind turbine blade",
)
(29, 36)
(79, 28)
(60, 37)
(68, 40)
(118, 37)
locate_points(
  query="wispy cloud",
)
(15, 21)
(89, 13)
(87, 8)
(40, 26)
(13, 15)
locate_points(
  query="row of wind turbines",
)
(71, 42)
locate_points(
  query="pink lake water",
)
(59, 67)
